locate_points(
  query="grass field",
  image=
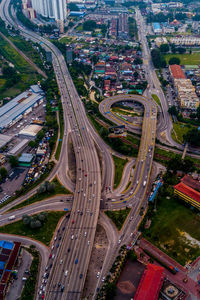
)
(175, 229)
(186, 59)
(119, 167)
(43, 234)
(155, 97)
(66, 40)
(59, 189)
(179, 130)
(118, 216)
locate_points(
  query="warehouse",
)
(21, 105)
(30, 131)
(187, 194)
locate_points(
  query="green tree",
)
(174, 164)
(174, 61)
(89, 25)
(73, 7)
(164, 48)
(173, 111)
(13, 160)
(3, 172)
(192, 137)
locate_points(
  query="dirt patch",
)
(126, 287)
(71, 160)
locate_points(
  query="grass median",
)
(118, 216)
(43, 234)
(155, 97)
(119, 167)
(59, 190)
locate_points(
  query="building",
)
(30, 131)
(176, 72)
(150, 283)
(14, 110)
(187, 194)
(9, 252)
(26, 159)
(156, 28)
(56, 9)
(186, 41)
(184, 88)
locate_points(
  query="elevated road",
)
(88, 182)
(145, 156)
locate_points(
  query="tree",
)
(32, 144)
(73, 7)
(174, 61)
(13, 160)
(181, 50)
(174, 164)
(110, 290)
(138, 61)
(158, 60)
(198, 113)
(3, 172)
(89, 25)
(192, 137)
(164, 48)
(173, 111)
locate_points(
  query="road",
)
(88, 183)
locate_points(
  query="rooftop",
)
(177, 72)
(150, 284)
(188, 191)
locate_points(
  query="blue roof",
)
(6, 245)
(156, 26)
(2, 264)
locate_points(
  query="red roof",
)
(193, 183)
(177, 72)
(188, 191)
(150, 284)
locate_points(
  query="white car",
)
(66, 272)
(98, 274)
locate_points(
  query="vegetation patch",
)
(119, 167)
(43, 234)
(28, 292)
(185, 59)
(39, 196)
(179, 130)
(118, 216)
(155, 97)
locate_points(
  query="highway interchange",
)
(68, 273)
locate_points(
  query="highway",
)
(67, 277)
(88, 185)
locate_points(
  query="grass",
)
(118, 216)
(119, 167)
(186, 59)
(179, 130)
(163, 156)
(59, 189)
(124, 112)
(43, 234)
(29, 287)
(155, 97)
(171, 219)
(66, 40)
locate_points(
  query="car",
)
(62, 288)
(55, 238)
(46, 268)
(81, 276)
(52, 247)
(59, 284)
(61, 261)
(85, 233)
(72, 237)
(119, 241)
(76, 261)
(98, 274)
(73, 221)
(50, 255)
(103, 279)
(60, 238)
(85, 174)
(57, 245)
(68, 250)
(53, 256)
(50, 266)
(66, 272)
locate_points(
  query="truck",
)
(144, 183)
(11, 218)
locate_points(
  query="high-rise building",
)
(56, 9)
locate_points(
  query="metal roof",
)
(16, 107)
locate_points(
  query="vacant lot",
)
(119, 167)
(175, 229)
(118, 216)
(179, 130)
